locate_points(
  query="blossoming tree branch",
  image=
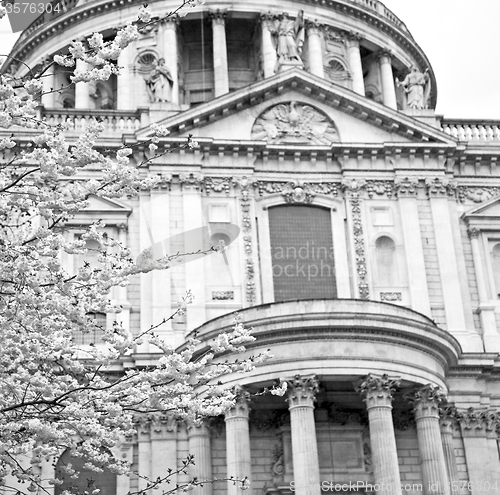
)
(54, 396)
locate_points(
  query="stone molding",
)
(378, 391)
(302, 391)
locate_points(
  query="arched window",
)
(302, 252)
(386, 259)
(87, 480)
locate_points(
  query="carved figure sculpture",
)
(289, 37)
(159, 82)
(417, 88)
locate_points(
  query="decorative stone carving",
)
(406, 187)
(159, 82)
(378, 390)
(344, 416)
(353, 187)
(163, 425)
(294, 123)
(302, 390)
(298, 192)
(241, 406)
(478, 422)
(288, 35)
(380, 188)
(477, 194)
(325, 188)
(191, 181)
(417, 88)
(222, 295)
(278, 461)
(440, 187)
(427, 400)
(367, 455)
(217, 184)
(391, 296)
(473, 232)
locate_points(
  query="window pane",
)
(302, 253)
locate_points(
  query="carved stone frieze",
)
(222, 295)
(297, 191)
(380, 188)
(191, 181)
(391, 296)
(477, 194)
(294, 123)
(217, 184)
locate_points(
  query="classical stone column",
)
(269, 57)
(388, 85)
(447, 422)
(49, 85)
(239, 462)
(377, 392)
(301, 397)
(221, 74)
(199, 447)
(426, 401)
(123, 81)
(82, 100)
(315, 50)
(486, 308)
(354, 56)
(170, 53)
(163, 448)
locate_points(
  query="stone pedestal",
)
(426, 402)
(239, 462)
(301, 397)
(378, 393)
(290, 64)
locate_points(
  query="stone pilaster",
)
(388, 85)
(269, 57)
(199, 448)
(82, 99)
(221, 72)
(315, 50)
(447, 422)
(170, 53)
(239, 462)
(426, 401)
(378, 392)
(163, 447)
(301, 397)
(354, 56)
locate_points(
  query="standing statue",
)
(289, 37)
(159, 82)
(417, 88)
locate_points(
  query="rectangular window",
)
(302, 253)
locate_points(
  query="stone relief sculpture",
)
(417, 88)
(294, 123)
(289, 37)
(159, 82)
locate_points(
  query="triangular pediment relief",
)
(265, 109)
(106, 205)
(111, 212)
(489, 210)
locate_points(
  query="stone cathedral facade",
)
(363, 235)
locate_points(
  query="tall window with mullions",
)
(302, 252)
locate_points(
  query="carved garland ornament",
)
(294, 123)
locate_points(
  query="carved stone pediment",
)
(294, 122)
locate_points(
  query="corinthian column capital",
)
(426, 401)
(378, 391)
(241, 408)
(302, 391)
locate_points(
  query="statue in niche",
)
(417, 88)
(289, 37)
(294, 123)
(159, 82)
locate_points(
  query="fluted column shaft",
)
(354, 56)
(388, 85)
(378, 395)
(315, 50)
(269, 57)
(239, 461)
(49, 84)
(199, 447)
(426, 406)
(170, 53)
(221, 72)
(301, 397)
(82, 88)
(446, 425)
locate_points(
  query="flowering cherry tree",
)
(55, 397)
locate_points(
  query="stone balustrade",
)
(470, 130)
(115, 121)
